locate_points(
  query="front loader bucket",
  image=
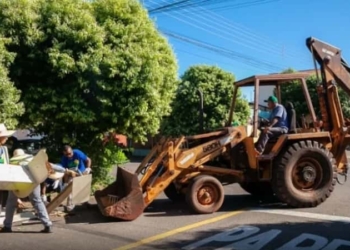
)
(123, 199)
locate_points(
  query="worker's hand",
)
(87, 171)
(20, 204)
(266, 129)
(70, 173)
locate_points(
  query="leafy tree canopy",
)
(293, 92)
(10, 106)
(88, 67)
(217, 88)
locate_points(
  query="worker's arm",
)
(277, 114)
(20, 203)
(85, 159)
(64, 163)
(88, 162)
(274, 121)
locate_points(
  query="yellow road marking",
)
(178, 230)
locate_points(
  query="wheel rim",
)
(307, 174)
(208, 194)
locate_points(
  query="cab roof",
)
(272, 79)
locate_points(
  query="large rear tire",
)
(305, 175)
(205, 194)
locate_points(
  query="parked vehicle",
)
(25, 139)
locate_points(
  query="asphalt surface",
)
(242, 223)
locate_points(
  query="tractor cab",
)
(261, 87)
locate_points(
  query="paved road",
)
(242, 223)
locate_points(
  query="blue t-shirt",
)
(77, 162)
(280, 113)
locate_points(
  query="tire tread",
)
(278, 183)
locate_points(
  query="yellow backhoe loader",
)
(300, 168)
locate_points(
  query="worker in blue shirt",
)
(76, 163)
(75, 160)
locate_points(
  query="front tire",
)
(205, 194)
(305, 175)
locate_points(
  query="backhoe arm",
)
(331, 62)
(334, 71)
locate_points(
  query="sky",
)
(263, 37)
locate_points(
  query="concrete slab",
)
(25, 216)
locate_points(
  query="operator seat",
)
(291, 118)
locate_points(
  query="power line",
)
(219, 3)
(204, 57)
(224, 52)
(186, 4)
(168, 5)
(242, 5)
(226, 23)
(252, 33)
(236, 26)
(240, 39)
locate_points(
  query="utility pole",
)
(201, 110)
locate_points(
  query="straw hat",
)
(4, 132)
(20, 156)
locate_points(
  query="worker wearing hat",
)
(278, 124)
(20, 157)
(4, 158)
(53, 180)
(34, 197)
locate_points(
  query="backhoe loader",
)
(300, 167)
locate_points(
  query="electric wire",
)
(242, 5)
(249, 35)
(240, 40)
(167, 6)
(179, 5)
(224, 52)
(213, 61)
(218, 3)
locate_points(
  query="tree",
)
(217, 88)
(11, 108)
(86, 68)
(293, 92)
